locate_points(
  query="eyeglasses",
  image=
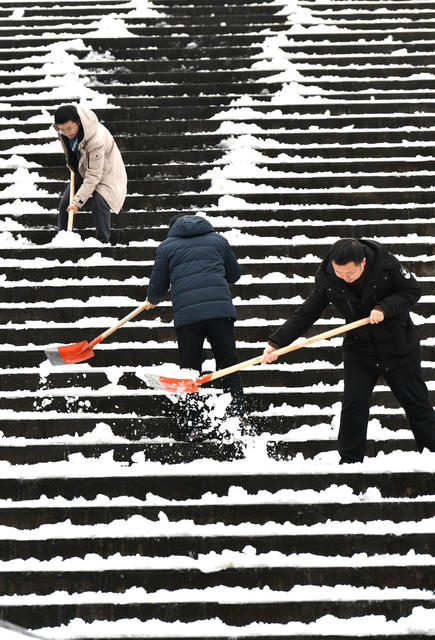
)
(67, 130)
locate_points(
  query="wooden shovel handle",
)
(116, 326)
(71, 196)
(291, 347)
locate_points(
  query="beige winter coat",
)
(100, 165)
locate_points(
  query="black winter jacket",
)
(197, 264)
(387, 285)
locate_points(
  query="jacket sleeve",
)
(94, 168)
(159, 281)
(301, 320)
(406, 291)
(232, 267)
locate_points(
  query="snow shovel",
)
(71, 196)
(73, 353)
(190, 385)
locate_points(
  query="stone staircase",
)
(288, 126)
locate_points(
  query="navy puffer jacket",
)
(197, 264)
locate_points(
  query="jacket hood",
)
(89, 122)
(188, 226)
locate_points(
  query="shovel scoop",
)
(81, 351)
(175, 385)
(70, 353)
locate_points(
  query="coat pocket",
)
(92, 160)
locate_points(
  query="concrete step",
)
(148, 427)
(156, 28)
(270, 310)
(230, 514)
(268, 612)
(320, 544)
(366, 32)
(176, 452)
(198, 22)
(200, 185)
(117, 272)
(383, 14)
(254, 251)
(256, 92)
(171, 453)
(310, 197)
(418, 5)
(279, 185)
(52, 291)
(195, 170)
(381, 152)
(176, 485)
(310, 73)
(194, 126)
(167, 111)
(206, 107)
(290, 137)
(273, 309)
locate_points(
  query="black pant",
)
(220, 334)
(407, 384)
(99, 207)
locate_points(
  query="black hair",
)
(347, 250)
(65, 113)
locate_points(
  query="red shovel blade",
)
(70, 353)
(179, 385)
(175, 385)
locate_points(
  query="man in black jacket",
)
(361, 278)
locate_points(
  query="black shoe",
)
(344, 461)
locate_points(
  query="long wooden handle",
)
(71, 196)
(116, 326)
(291, 347)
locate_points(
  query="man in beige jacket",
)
(100, 175)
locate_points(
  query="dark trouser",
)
(99, 208)
(220, 334)
(407, 384)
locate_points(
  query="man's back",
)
(198, 265)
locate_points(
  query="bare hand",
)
(72, 207)
(269, 355)
(376, 316)
(149, 305)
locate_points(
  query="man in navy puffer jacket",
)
(197, 264)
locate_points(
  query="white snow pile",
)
(143, 9)
(107, 27)
(17, 162)
(62, 77)
(72, 239)
(242, 157)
